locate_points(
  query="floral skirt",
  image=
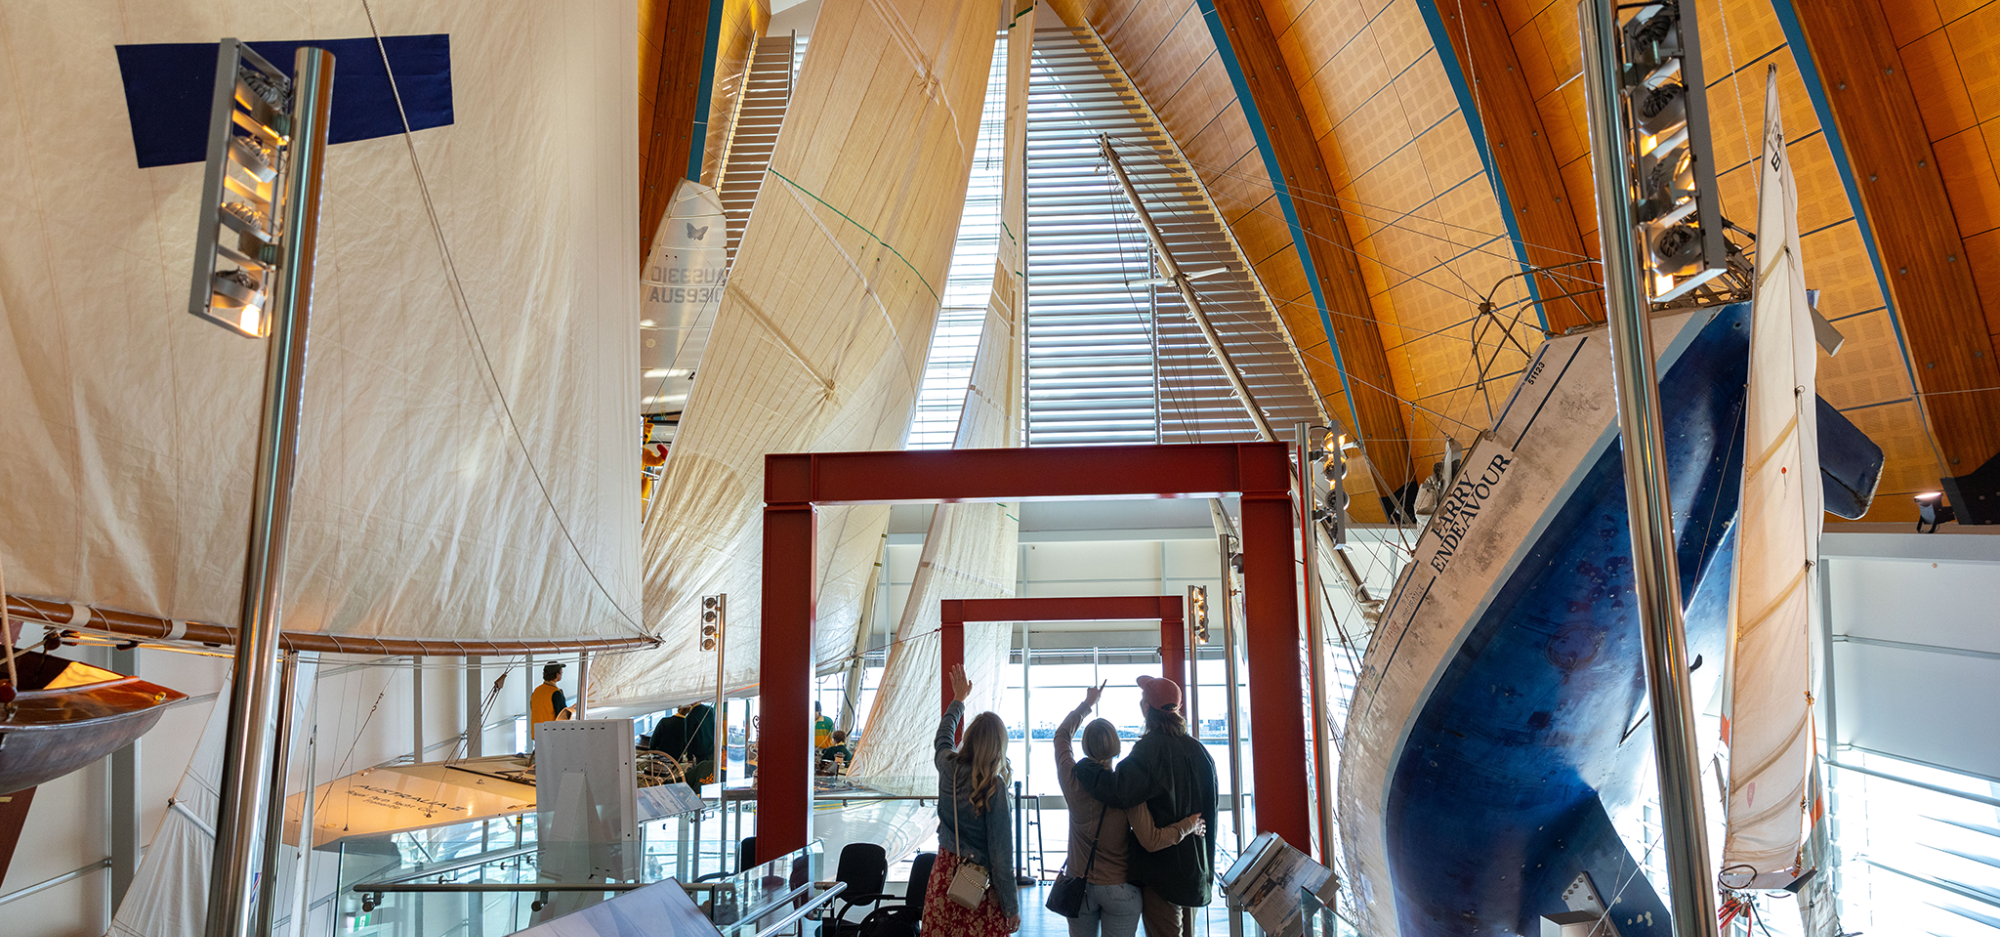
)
(944, 917)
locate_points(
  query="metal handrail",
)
(809, 907)
(465, 863)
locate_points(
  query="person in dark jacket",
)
(1170, 775)
(689, 734)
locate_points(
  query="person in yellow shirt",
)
(548, 702)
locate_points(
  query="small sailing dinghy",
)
(68, 714)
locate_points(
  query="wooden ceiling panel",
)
(1947, 107)
(1983, 252)
(1428, 98)
(1868, 370)
(1916, 18)
(1353, 76)
(1969, 180)
(670, 52)
(1376, 130)
(1450, 157)
(1909, 468)
(1837, 264)
(1175, 59)
(1517, 13)
(1238, 189)
(1402, 33)
(1204, 95)
(1917, 213)
(1133, 30)
(1319, 31)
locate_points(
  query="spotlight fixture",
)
(1932, 510)
(1680, 222)
(1198, 612)
(249, 151)
(713, 608)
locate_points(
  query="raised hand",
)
(1090, 696)
(961, 688)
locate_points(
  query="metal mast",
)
(1656, 571)
(1185, 285)
(247, 754)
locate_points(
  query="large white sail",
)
(824, 326)
(1768, 722)
(467, 470)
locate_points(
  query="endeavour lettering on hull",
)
(1462, 505)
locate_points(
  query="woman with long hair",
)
(975, 826)
(1098, 835)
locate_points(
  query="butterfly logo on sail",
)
(697, 233)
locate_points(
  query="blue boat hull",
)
(1531, 745)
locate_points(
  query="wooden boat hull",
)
(69, 714)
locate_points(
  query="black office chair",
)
(746, 856)
(906, 918)
(864, 868)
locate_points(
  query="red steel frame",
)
(795, 483)
(954, 613)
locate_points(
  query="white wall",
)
(1916, 645)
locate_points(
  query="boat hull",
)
(70, 714)
(1499, 741)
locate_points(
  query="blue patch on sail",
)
(168, 86)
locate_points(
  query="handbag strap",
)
(1091, 863)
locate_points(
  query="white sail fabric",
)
(169, 894)
(970, 552)
(1768, 721)
(680, 288)
(131, 424)
(820, 341)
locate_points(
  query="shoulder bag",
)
(1066, 895)
(968, 884)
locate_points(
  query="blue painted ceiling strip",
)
(1244, 99)
(168, 87)
(698, 140)
(1795, 37)
(1468, 107)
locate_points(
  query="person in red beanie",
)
(1171, 776)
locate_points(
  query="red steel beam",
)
(954, 613)
(795, 482)
(784, 776)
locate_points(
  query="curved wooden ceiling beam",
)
(1912, 227)
(1272, 105)
(1486, 74)
(675, 45)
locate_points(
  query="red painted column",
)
(1277, 687)
(1173, 646)
(951, 652)
(784, 770)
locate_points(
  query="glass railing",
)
(487, 879)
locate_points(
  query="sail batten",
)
(1768, 718)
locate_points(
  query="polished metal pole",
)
(246, 755)
(302, 891)
(1656, 574)
(1322, 733)
(1193, 683)
(274, 808)
(1225, 538)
